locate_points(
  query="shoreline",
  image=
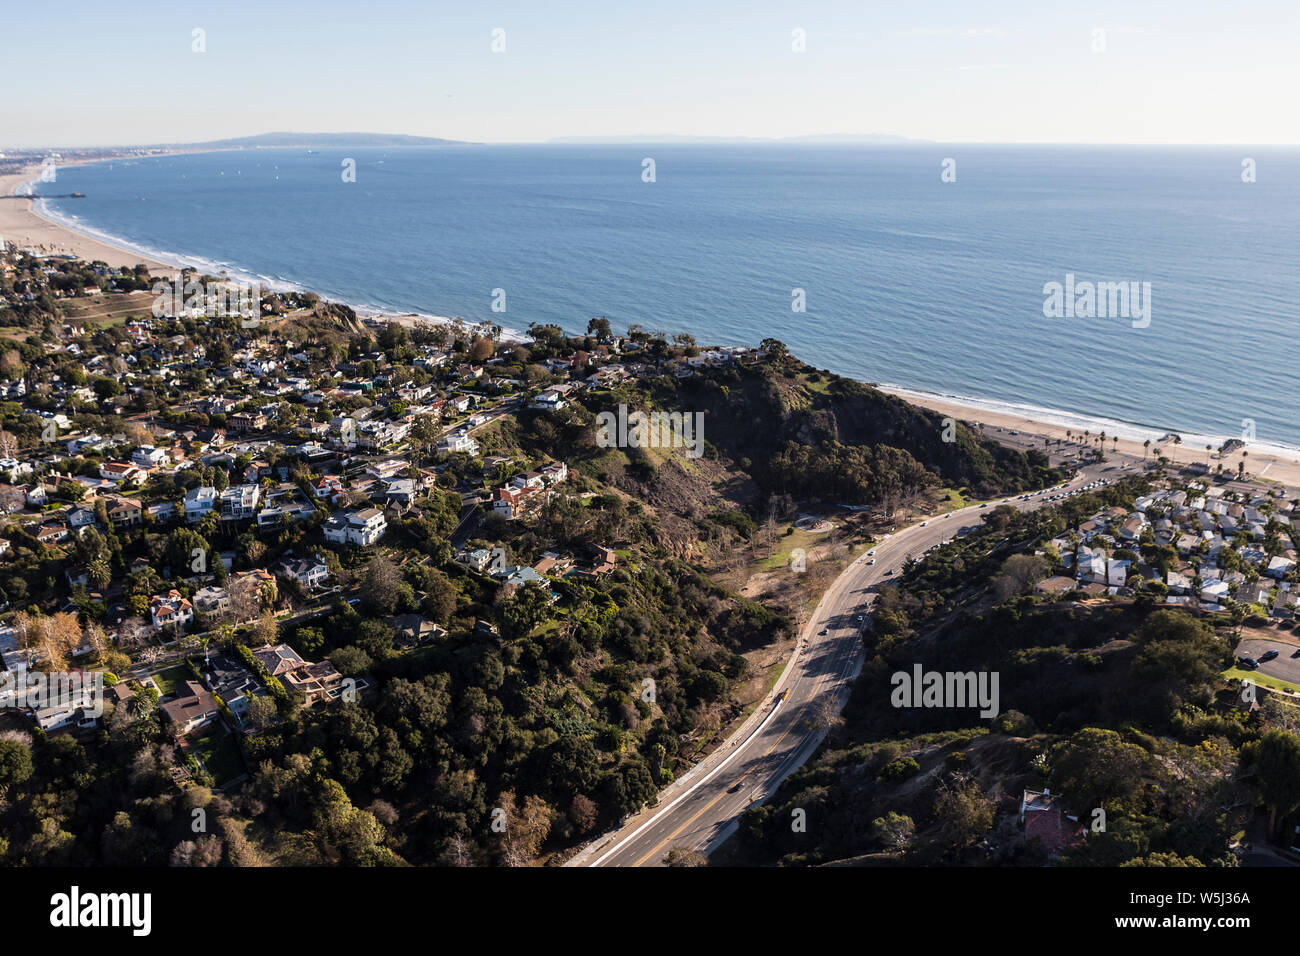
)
(22, 223)
(1270, 462)
(28, 227)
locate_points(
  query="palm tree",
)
(1177, 441)
(1208, 448)
(100, 572)
(1145, 445)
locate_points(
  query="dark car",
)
(1267, 656)
(1248, 662)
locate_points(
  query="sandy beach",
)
(1263, 463)
(23, 226)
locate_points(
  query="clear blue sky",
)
(89, 72)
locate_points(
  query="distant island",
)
(846, 138)
(325, 140)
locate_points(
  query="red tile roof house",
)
(511, 501)
(120, 471)
(1046, 820)
(192, 708)
(170, 610)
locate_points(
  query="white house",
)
(549, 399)
(211, 598)
(362, 528)
(1117, 573)
(309, 572)
(170, 610)
(147, 456)
(1092, 565)
(199, 501)
(1279, 566)
(458, 441)
(1214, 591)
(240, 501)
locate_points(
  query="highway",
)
(699, 811)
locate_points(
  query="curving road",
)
(700, 810)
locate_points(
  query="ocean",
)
(905, 279)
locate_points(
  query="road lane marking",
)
(637, 832)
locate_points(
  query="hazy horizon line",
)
(810, 139)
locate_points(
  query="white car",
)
(872, 561)
(924, 523)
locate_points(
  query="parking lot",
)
(1286, 666)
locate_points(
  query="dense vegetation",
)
(1117, 706)
(558, 708)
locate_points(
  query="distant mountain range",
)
(678, 138)
(324, 140)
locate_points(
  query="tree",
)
(100, 572)
(548, 336)
(894, 830)
(775, 349)
(584, 813)
(131, 631)
(1099, 768)
(351, 661)
(1163, 859)
(266, 630)
(425, 432)
(245, 598)
(1019, 573)
(964, 812)
(261, 712)
(106, 388)
(15, 763)
(205, 851)
(526, 828)
(440, 600)
(685, 856)
(599, 328)
(381, 585)
(1277, 768)
(480, 349)
(184, 547)
(525, 610)
(458, 851)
